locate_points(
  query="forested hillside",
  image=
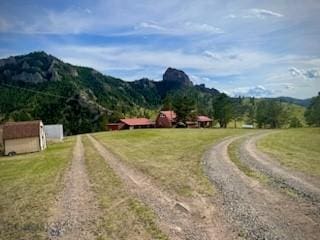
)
(40, 86)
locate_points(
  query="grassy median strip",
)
(28, 185)
(122, 216)
(295, 148)
(234, 154)
(171, 157)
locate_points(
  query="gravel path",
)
(283, 176)
(259, 211)
(75, 210)
(195, 219)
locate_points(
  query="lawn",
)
(122, 216)
(172, 157)
(28, 185)
(298, 149)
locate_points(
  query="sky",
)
(248, 48)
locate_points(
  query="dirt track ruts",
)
(179, 218)
(262, 162)
(76, 209)
(261, 212)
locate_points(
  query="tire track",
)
(194, 219)
(262, 162)
(76, 209)
(259, 211)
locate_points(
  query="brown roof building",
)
(204, 121)
(23, 137)
(130, 123)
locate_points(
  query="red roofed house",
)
(166, 119)
(23, 137)
(130, 123)
(204, 121)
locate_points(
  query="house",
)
(23, 137)
(166, 119)
(54, 132)
(204, 121)
(130, 123)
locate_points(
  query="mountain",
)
(300, 102)
(40, 86)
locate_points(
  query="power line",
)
(34, 91)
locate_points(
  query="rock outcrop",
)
(177, 76)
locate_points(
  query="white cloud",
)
(256, 13)
(305, 73)
(263, 13)
(256, 91)
(150, 25)
(203, 28)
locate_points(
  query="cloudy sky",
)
(254, 48)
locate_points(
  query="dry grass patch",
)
(298, 149)
(122, 216)
(172, 157)
(28, 185)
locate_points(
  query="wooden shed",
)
(166, 119)
(132, 123)
(23, 137)
(204, 121)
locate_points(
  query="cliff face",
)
(177, 76)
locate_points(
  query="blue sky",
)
(253, 48)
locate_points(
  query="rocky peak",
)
(177, 76)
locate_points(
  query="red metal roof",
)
(136, 121)
(170, 115)
(204, 119)
(14, 130)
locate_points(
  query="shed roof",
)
(204, 119)
(136, 121)
(14, 130)
(170, 115)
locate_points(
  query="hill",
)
(40, 86)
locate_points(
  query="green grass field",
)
(28, 185)
(172, 157)
(298, 149)
(123, 217)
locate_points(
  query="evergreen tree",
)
(312, 113)
(222, 108)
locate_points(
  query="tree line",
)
(263, 113)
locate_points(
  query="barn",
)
(54, 132)
(204, 121)
(23, 137)
(166, 119)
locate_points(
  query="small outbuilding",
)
(54, 132)
(130, 123)
(204, 121)
(166, 119)
(23, 137)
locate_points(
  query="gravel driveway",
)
(259, 211)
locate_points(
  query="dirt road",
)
(76, 208)
(259, 211)
(179, 218)
(283, 176)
